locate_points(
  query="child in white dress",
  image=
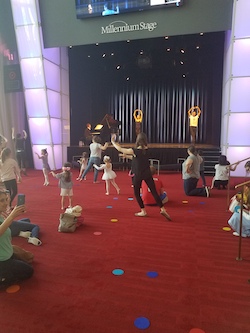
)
(83, 165)
(109, 175)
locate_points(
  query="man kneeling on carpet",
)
(147, 196)
(12, 268)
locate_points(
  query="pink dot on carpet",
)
(97, 233)
(196, 330)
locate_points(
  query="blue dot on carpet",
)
(118, 271)
(142, 323)
(202, 203)
(109, 207)
(115, 198)
(130, 199)
(152, 274)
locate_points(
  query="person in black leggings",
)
(141, 171)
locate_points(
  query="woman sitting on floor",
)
(234, 221)
(12, 270)
(222, 173)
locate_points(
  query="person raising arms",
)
(141, 171)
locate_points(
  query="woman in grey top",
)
(95, 156)
(191, 174)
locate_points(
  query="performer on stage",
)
(87, 135)
(193, 122)
(138, 115)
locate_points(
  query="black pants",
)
(20, 156)
(11, 186)
(13, 271)
(151, 185)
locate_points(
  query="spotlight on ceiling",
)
(182, 50)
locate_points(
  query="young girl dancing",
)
(109, 175)
(10, 173)
(46, 167)
(83, 165)
(65, 183)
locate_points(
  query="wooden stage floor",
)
(166, 153)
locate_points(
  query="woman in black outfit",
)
(141, 171)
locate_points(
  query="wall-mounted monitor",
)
(93, 8)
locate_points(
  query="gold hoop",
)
(138, 115)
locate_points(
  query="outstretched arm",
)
(199, 112)
(38, 155)
(101, 167)
(126, 151)
(25, 134)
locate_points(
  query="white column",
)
(45, 81)
(235, 134)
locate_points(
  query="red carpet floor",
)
(198, 283)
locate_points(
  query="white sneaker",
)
(34, 241)
(25, 234)
(236, 234)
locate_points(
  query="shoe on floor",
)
(24, 234)
(236, 234)
(165, 214)
(142, 214)
(34, 241)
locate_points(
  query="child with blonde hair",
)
(109, 175)
(83, 161)
(65, 183)
(46, 167)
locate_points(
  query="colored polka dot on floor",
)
(226, 228)
(130, 199)
(13, 289)
(115, 198)
(142, 323)
(152, 274)
(196, 330)
(114, 220)
(109, 207)
(184, 201)
(202, 203)
(118, 271)
(97, 233)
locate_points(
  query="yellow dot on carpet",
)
(13, 289)
(184, 201)
(114, 220)
(226, 228)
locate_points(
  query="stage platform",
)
(170, 156)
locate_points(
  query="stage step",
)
(211, 157)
